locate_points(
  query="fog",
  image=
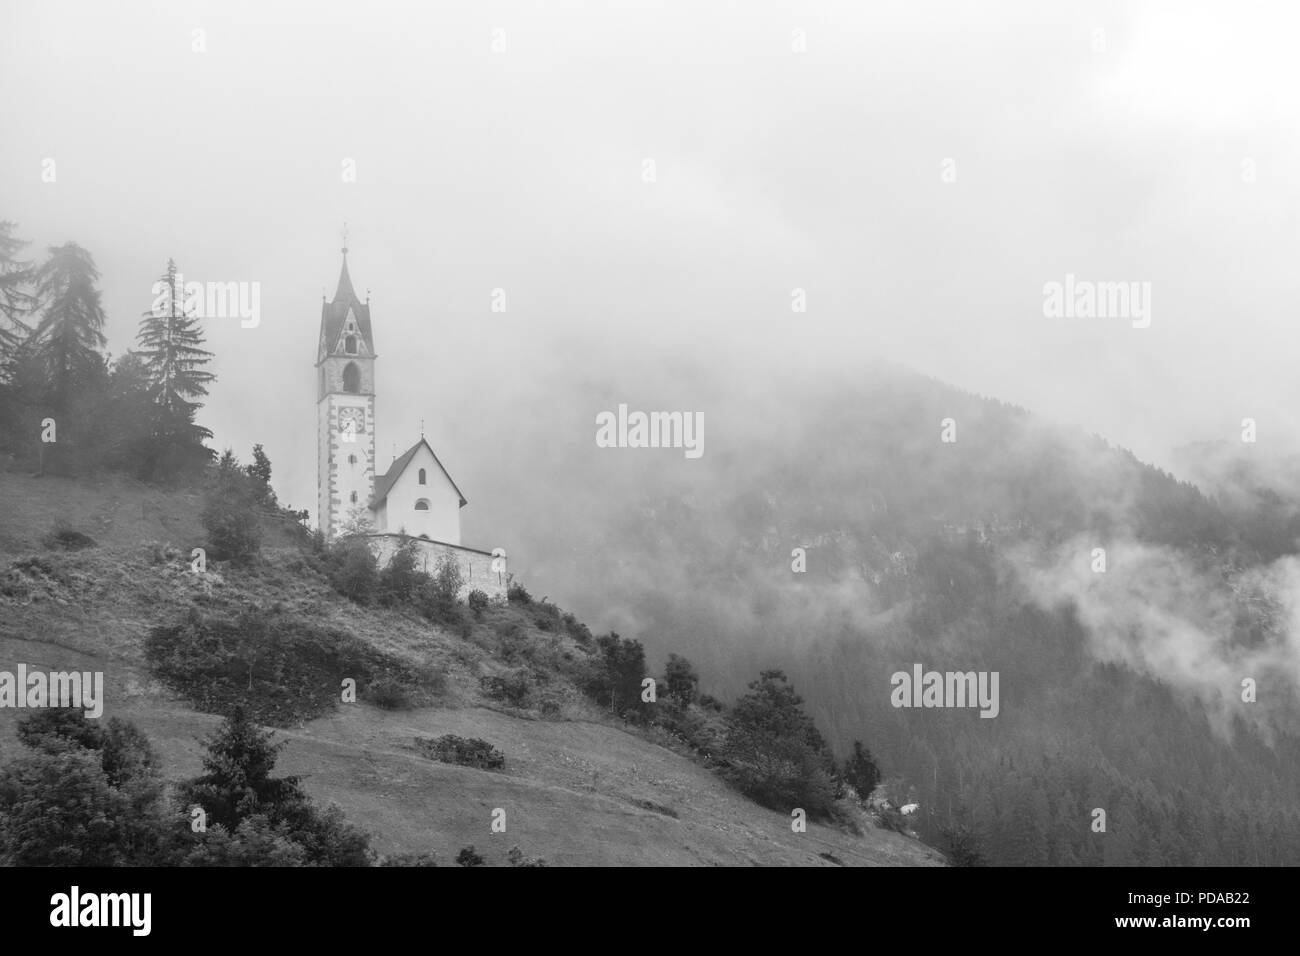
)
(919, 170)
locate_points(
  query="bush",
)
(577, 630)
(546, 616)
(400, 579)
(478, 602)
(517, 858)
(467, 857)
(437, 596)
(352, 570)
(514, 687)
(518, 594)
(278, 667)
(230, 514)
(410, 859)
(67, 539)
(256, 841)
(90, 795)
(890, 819)
(463, 751)
(681, 681)
(388, 693)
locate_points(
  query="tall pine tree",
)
(171, 346)
(70, 333)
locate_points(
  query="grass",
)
(578, 787)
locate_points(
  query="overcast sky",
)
(1167, 156)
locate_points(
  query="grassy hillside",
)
(578, 787)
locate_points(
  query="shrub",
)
(518, 594)
(513, 687)
(400, 579)
(467, 857)
(280, 668)
(890, 819)
(90, 795)
(463, 751)
(546, 616)
(410, 859)
(549, 704)
(256, 841)
(517, 858)
(437, 596)
(229, 514)
(681, 681)
(389, 694)
(447, 576)
(577, 630)
(68, 539)
(352, 570)
(478, 602)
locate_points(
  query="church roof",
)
(334, 314)
(385, 483)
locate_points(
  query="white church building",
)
(416, 498)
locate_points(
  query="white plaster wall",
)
(441, 522)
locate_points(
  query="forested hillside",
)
(1121, 689)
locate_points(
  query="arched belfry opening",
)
(351, 378)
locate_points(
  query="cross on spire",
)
(345, 238)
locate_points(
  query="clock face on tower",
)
(352, 421)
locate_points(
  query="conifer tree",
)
(171, 345)
(70, 332)
(15, 301)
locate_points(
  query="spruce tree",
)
(171, 345)
(15, 301)
(70, 332)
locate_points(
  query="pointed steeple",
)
(345, 314)
(345, 292)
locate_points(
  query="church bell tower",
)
(345, 408)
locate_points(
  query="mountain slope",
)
(577, 790)
(1121, 688)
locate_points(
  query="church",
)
(416, 499)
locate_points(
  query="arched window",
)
(422, 504)
(350, 345)
(422, 477)
(351, 378)
(354, 497)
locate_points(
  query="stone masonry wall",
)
(475, 565)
